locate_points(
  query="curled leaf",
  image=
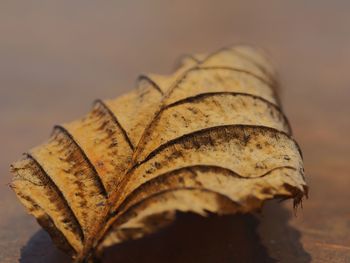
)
(209, 138)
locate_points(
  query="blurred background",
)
(56, 57)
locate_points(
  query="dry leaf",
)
(210, 138)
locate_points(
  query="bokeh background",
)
(56, 57)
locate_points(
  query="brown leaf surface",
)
(210, 138)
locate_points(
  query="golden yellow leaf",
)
(209, 138)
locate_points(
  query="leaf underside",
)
(210, 138)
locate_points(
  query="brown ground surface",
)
(57, 56)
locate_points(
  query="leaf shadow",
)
(192, 238)
(40, 249)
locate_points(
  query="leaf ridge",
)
(59, 193)
(86, 158)
(144, 77)
(208, 130)
(199, 167)
(115, 119)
